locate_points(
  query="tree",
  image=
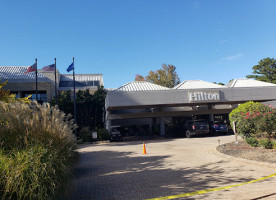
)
(167, 76)
(65, 103)
(139, 77)
(90, 107)
(7, 97)
(265, 70)
(220, 83)
(99, 100)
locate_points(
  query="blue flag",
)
(71, 67)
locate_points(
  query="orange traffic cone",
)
(144, 149)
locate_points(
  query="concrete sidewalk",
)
(171, 167)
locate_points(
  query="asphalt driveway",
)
(120, 171)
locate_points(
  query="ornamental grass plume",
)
(37, 147)
(23, 125)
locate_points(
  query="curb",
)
(242, 160)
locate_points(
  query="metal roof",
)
(140, 86)
(82, 77)
(197, 84)
(17, 73)
(249, 83)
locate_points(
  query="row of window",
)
(41, 96)
(79, 83)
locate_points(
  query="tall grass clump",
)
(37, 147)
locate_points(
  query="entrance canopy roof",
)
(248, 83)
(197, 84)
(140, 86)
(188, 93)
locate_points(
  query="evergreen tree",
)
(265, 70)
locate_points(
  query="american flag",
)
(49, 68)
(31, 68)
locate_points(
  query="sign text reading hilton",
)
(204, 96)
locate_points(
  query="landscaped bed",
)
(244, 150)
(256, 124)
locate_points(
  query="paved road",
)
(120, 171)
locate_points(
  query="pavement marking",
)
(210, 190)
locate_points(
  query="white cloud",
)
(230, 58)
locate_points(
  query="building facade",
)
(24, 85)
(139, 107)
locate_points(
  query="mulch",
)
(244, 150)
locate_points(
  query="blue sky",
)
(214, 40)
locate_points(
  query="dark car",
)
(115, 135)
(218, 127)
(196, 127)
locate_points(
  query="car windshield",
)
(201, 123)
(219, 123)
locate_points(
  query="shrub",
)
(36, 152)
(24, 125)
(103, 134)
(268, 144)
(86, 134)
(6, 96)
(247, 117)
(267, 123)
(36, 172)
(263, 142)
(252, 141)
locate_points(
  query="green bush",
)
(25, 125)
(103, 134)
(36, 152)
(247, 117)
(268, 144)
(267, 123)
(263, 142)
(36, 172)
(252, 141)
(86, 134)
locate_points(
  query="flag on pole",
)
(31, 68)
(71, 67)
(49, 68)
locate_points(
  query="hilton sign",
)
(203, 96)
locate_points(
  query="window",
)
(79, 83)
(90, 83)
(42, 96)
(66, 84)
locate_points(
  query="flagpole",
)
(56, 80)
(75, 108)
(36, 80)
